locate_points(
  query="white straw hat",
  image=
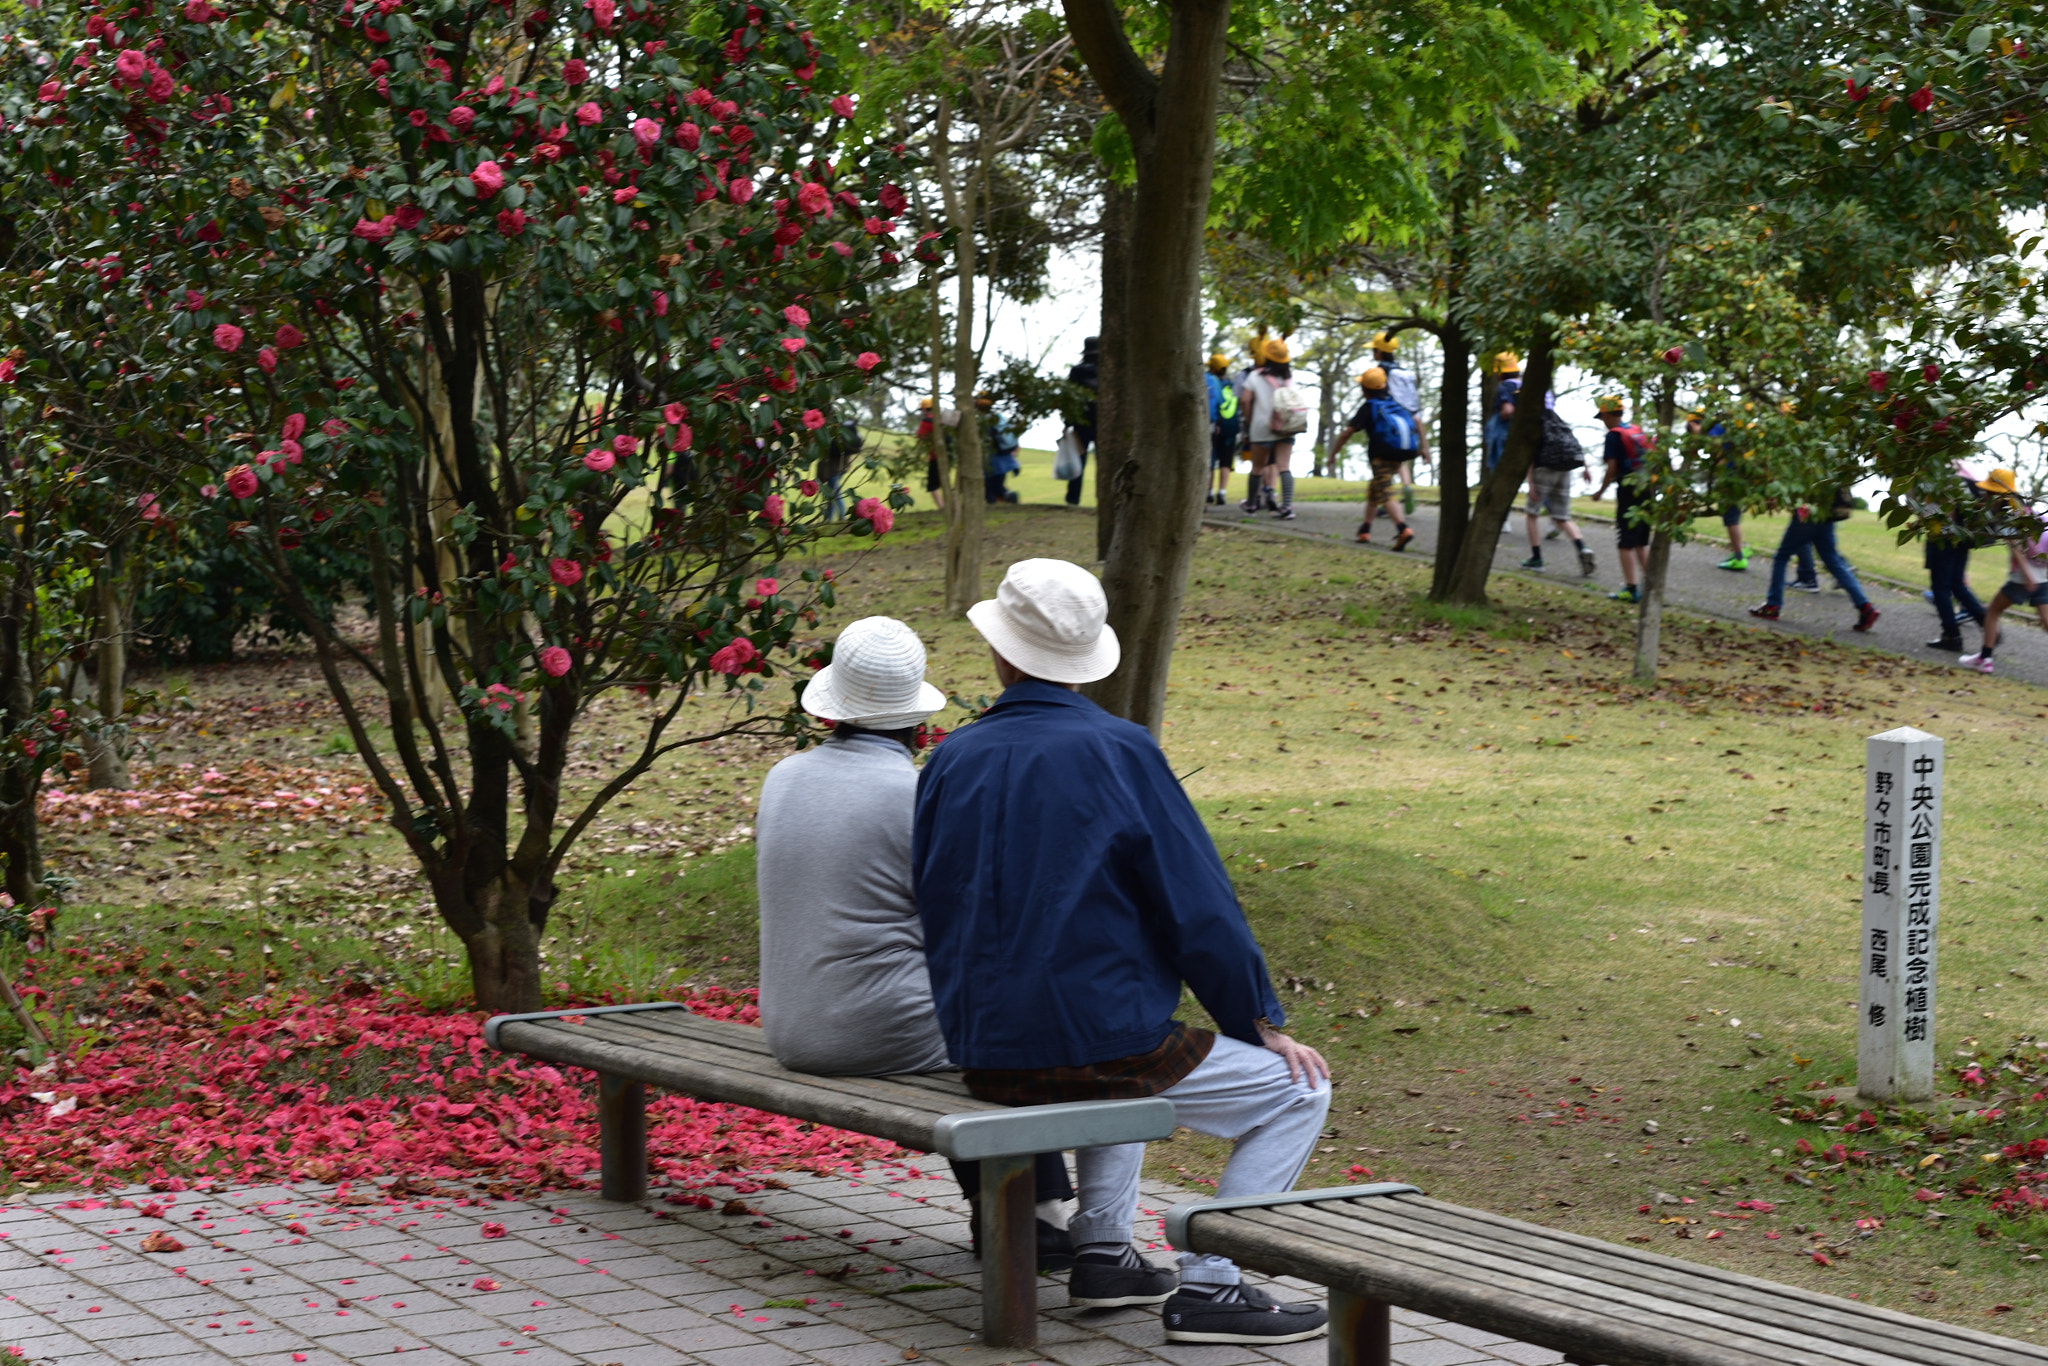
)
(1047, 618)
(875, 679)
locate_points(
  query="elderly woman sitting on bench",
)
(844, 989)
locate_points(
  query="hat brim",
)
(823, 700)
(1054, 666)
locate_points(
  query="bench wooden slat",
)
(882, 1090)
(662, 1032)
(1776, 1319)
(1488, 1234)
(799, 1097)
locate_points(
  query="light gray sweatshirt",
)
(844, 989)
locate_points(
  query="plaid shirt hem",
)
(1146, 1074)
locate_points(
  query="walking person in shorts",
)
(1626, 448)
(1550, 490)
(2026, 581)
(1273, 424)
(1380, 417)
(1223, 426)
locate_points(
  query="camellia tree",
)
(540, 314)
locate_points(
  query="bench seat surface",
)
(1598, 1302)
(722, 1060)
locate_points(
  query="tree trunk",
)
(963, 530)
(1158, 486)
(20, 843)
(106, 767)
(1650, 614)
(1454, 499)
(1498, 490)
(503, 944)
(1112, 425)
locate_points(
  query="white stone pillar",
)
(1901, 908)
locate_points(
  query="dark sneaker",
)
(1401, 541)
(1767, 610)
(1552, 534)
(1364, 536)
(1949, 644)
(1249, 505)
(1533, 562)
(1240, 1313)
(1586, 564)
(1866, 617)
(1286, 514)
(1807, 585)
(1104, 1282)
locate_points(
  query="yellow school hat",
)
(1373, 378)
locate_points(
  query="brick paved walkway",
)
(864, 1271)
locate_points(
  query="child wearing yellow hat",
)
(1222, 427)
(2026, 582)
(1385, 457)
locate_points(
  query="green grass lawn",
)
(1528, 908)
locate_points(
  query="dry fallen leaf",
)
(161, 1242)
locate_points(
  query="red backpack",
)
(1637, 442)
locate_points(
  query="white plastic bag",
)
(1067, 462)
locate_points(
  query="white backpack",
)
(1290, 408)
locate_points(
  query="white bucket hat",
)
(875, 679)
(1047, 618)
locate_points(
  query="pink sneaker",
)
(1983, 664)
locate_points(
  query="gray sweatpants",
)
(1240, 1092)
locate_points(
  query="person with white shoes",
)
(2026, 583)
(1068, 889)
(844, 990)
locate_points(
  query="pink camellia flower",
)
(294, 453)
(813, 419)
(511, 222)
(866, 360)
(461, 117)
(673, 414)
(7, 370)
(813, 198)
(588, 114)
(1857, 93)
(200, 12)
(773, 510)
(679, 437)
(1877, 379)
(1930, 372)
(892, 200)
(646, 132)
(660, 303)
(266, 360)
(334, 426)
(241, 481)
(877, 513)
(842, 105)
(554, 661)
(599, 460)
(161, 85)
(408, 216)
(146, 504)
(289, 337)
(625, 194)
(688, 136)
(131, 65)
(602, 12)
(793, 344)
(741, 190)
(492, 1230)
(208, 490)
(50, 92)
(228, 337)
(294, 427)
(574, 72)
(416, 117)
(767, 588)
(797, 315)
(808, 488)
(567, 573)
(376, 230)
(734, 658)
(488, 178)
(625, 444)
(1922, 99)
(1674, 355)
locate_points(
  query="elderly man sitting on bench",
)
(1068, 889)
(844, 991)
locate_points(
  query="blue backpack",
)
(1392, 425)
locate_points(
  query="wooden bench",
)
(661, 1043)
(1600, 1304)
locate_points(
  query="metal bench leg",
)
(1009, 1252)
(622, 1137)
(1360, 1331)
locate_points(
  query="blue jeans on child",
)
(1804, 533)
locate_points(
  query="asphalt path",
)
(1906, 621)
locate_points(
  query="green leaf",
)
(1980, 38)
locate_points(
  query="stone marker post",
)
(1901, 907)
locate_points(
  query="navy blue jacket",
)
(1068, 889)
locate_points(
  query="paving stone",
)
(1439, 1352)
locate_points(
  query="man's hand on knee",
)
(1304, 1064)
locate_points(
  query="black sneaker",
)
(1240, 1313)
(1100, 1281)
(1534, 561)
(1949, 644)
(1585, 563)
(1286, 513)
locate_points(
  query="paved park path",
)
(869, 1270)
(1695, 585)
